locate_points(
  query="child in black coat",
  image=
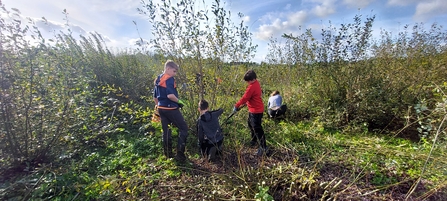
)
(209, 131)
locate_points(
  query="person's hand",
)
(180, 103)
(235, 109)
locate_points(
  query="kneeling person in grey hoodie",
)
(209, 132)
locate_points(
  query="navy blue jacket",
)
(164, 85)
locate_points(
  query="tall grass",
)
(351, 77)
(87, 110)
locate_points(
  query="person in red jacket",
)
(253, 99)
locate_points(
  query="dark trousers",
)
(206, 146)
(257, 132)
(175, 117)
(276, 113)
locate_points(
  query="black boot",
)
(180, 153)
(212, 154)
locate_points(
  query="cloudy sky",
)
(113, 19)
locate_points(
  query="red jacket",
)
(253, 98)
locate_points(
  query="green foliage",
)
(41, 87)
(130, 70)
(431, 113)
(202, 41)
(87, 111)
(348, 78)
(263, 194)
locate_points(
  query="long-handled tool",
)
(232, 114)
(229, 117)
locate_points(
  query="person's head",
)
(171, 68)
(203, 105)
(274, 93)
(250, 75)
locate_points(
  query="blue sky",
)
(265, 18)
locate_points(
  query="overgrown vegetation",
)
(366, 116)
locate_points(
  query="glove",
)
(235, 109)
(180, 103)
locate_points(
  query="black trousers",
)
(255, 125)
(206, 146)
(276, 113)
(175, 117)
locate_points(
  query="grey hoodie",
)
(208, 126)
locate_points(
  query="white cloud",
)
(48, 25)
(78, 29)
(278, 26)
(246, 19)
(297, 19)
(426, 10)
(357, 3)
(323, 11)
(324, 8)
(55, 27)
(137, 42)
(268, 30)
(108, 18)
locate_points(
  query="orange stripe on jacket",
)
(163, 81)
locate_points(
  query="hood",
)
(209, 116)
(206, 117)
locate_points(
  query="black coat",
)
(208, 127)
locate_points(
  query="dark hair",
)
(203, 105)
(274, 93)
(250, 75)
